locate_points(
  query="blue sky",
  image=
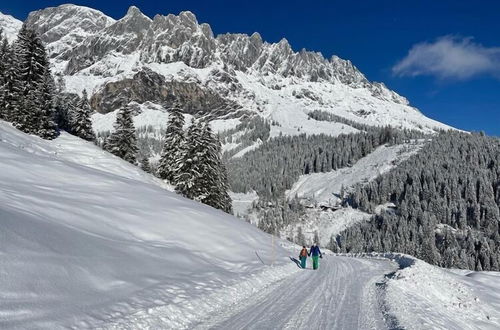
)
(444, 56)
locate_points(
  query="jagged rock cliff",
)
(115, 61)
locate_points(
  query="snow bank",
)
(87, 239)
(423, 296)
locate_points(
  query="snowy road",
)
(342, 294)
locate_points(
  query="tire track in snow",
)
(340, 295)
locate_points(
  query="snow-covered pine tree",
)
(226, 201)
(223, 199)
(300, 239)
(7, 96)
(32, 86)
(189, 168)
(172, 152)
(212, 176)
(4, 54)
(123, 142)
(81, 121)
(64, 105)
(316, 237)
(47, 127)
(145, 166)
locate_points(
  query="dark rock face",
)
(147, 85)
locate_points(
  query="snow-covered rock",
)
(10, 26)
(263, 79)
(63, 28)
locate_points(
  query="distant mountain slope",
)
(175, 59)
(86, 237)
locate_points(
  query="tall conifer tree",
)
(123, 142)
(172, 152)
(81, 122)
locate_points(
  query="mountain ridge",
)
(92, 51)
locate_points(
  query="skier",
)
(315, 253)
(303, 256)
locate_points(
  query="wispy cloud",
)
(450, 58)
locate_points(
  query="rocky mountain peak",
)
(133, 11)
(10, 26)
(64, 27)
(78, 38)
(188, 18)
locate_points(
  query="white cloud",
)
(450, 57)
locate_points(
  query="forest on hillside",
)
(447, 205)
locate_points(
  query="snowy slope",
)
(423, 296)
(320, 192)
(87, 239)
(321, 187)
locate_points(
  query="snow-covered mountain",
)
(9, 26)
(173, 58)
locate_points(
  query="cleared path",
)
(342, 294)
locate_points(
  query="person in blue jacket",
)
(315, 253)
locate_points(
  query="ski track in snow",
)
(342, 294)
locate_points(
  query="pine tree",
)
(47, 127)
(172, 152)
(8, 98)
(81, 125)
(226, 202)
(214, 176)
(301, 239)
(4, 67)
(145, 166)
(316, 237)
(190, 170)
(123, 142)
(31, 91)
(63, 104)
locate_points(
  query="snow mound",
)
(87, 239)
(423, 296)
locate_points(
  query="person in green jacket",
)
(315, 253)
